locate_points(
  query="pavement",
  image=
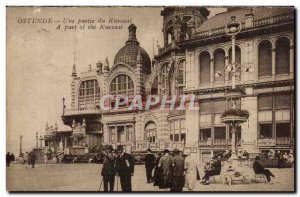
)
(86, 177)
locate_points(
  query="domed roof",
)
(128, 54)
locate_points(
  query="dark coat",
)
(258, 168)
(178, 166)
(157, 173)
(149, 161)
(125, 165)
(217, 166)
(32, 158)
(108, 168)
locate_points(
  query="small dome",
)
(128, 54)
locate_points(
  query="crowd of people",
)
(9, 158)
(169, 170)
(27, 158)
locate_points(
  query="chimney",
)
(132, 35)
(249, 18)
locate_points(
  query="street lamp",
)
(232, 29)
(233, 117)
(21, 144)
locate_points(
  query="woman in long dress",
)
(157, 172)
(191, 171)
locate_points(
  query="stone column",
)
(212, 71)
(273, 62)
(291, 58)
(249, 129)
(192, 125)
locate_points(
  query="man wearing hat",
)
(165, 163)
(124, 168)
(108, 169)
(178, 172)
(149, 164)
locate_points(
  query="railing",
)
(214, 142)
(91, 110)
(279, 141)
(256, 23)
(142, 145)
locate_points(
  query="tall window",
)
(274, 115)
(177, 130)
(150, 132)
(265, 58)
(219, 63)
(164, 76)
(204, 67)
(122, 85)
(89, 94)
(282, 56)
(181, 72)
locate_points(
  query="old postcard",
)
(150, 99)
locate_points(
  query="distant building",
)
(195, 48)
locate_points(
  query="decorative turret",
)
(99, 67)
(90, 68)
(106, 65)
(74, 74)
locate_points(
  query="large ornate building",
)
(195, 48)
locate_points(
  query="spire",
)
(90, 68)
(132, 35)
(74, 74)
(106, 64)
(74, 71)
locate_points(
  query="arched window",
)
(164, 76)
(204, 67)
(89, 94)
(122, 85)
(150, 130)
(265, 58)
(219, 63)
(181, 72)
(282, 56)
(237, 55)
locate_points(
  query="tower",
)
(179, 22)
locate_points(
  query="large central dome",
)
(128, 54)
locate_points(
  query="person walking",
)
(12, 157)
(32, 159)
(165, 163)
(158, 172)
(124, 168)
(108, 169)
(26, 159)
(259, 169)
(8, 159)
(149, 165)
(178, 171)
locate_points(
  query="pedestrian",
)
(26, 159)
(149, 165)
(291, 158)
(45, 158)
(108, 169)
(190, 171)
(158, 172)
(124, 168)
(8, 159)
(177, 171)
(259, 169)
(12, 157)
(32, 158)
(165, 163)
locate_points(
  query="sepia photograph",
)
(150, 99)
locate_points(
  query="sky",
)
(40, 60)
